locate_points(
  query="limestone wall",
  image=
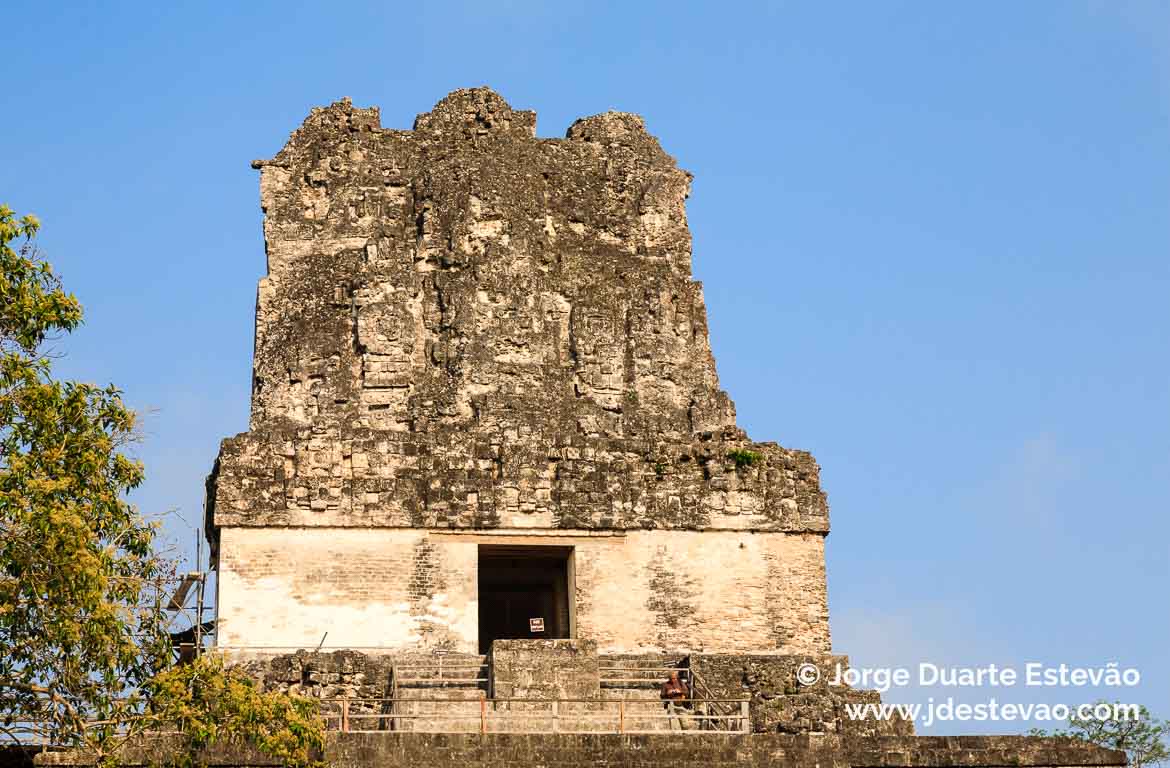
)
(545, 669)
(712, 751)
(780, 702)
(445, 750)
(467, 326)
(412, 589)
(722, 591)
(374, 588)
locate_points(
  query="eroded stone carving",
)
(466, 326)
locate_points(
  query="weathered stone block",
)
(545, 669)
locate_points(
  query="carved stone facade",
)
(470, 338)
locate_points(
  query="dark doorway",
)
(518, 585)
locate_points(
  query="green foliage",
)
(211, 705)
(32, 303)
(1143, 739)
(83, 637)
(76, 560)
(744, 457)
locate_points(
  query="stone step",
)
(638, 670)
(470, 716)
(452, 671)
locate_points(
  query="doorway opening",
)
(524, 593)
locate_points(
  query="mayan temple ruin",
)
(492, 493)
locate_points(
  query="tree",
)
(213, 705)
(1143, 739)
(83, 643)
(76, 561)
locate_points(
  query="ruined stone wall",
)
(379, 588)
(444, 750)
(712, 751)
(716, 591)
(781, 703)
(545, 669)
(641, 591)
(466, 326)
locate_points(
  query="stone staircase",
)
(638, 679)
(435, 693)
(546, 686)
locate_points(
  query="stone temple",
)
(487, 431)
(483, 393)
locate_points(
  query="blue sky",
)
(934, 239)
